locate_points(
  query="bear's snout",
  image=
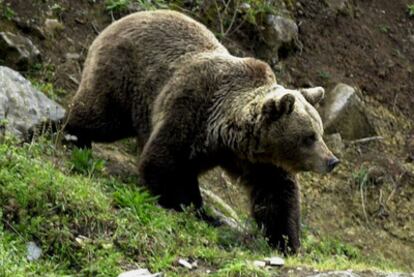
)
(332, 163)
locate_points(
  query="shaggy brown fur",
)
(165, 79)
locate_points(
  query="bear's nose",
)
(332, 163)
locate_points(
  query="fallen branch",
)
(366, 139)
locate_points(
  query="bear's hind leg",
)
(98, 123)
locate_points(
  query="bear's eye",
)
(309, 140)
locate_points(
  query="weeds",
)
(57, 9)
(5, 11)
(116, 6)
(229, 16)
(49, 89)
(324, 75)
(82, 161)
(410, 10)
(384, 28)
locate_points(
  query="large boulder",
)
(22, 107)
(17, 51)
(343, 112)
(279, 36)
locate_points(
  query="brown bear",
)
(165, 79)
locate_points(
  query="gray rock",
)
(22, 107)
(53, 26)
(187, 264)
(245, 6)
(134, 7)
(140, 273)
(72, 56)
(279, 32)
(29, 26)
(33, 251)
(259, 263)
(275, 261)
(343, 112)
(336, 274)
(339, 6)
(17, 51)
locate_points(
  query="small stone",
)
(259, 263)
(29, 26)
(140, 273)
(82, 240)
(72, 56)
(336, 274)
(53, 26)
(279, 32)
(339, 6)
(33, 251)
(70, 138)
(185, 264)
(134, 7)
(244, 6)
(275, 261)
(17, 51)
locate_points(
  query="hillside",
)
(87, 214)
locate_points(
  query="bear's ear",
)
(273, 110)
(313, 95)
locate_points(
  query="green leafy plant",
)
(139, 201)
(5, 11)
(57, 9)
(117, 5)
(83, 162)
(49, 90)
(410, 8)
(324, 75)
(384, 28)
(330, 247)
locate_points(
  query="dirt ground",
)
(369, 47)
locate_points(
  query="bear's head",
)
(291, 131)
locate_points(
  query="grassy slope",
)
(94, 225)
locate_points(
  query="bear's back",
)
(141, 52)
(161, 33)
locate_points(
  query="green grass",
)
(94, 225)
